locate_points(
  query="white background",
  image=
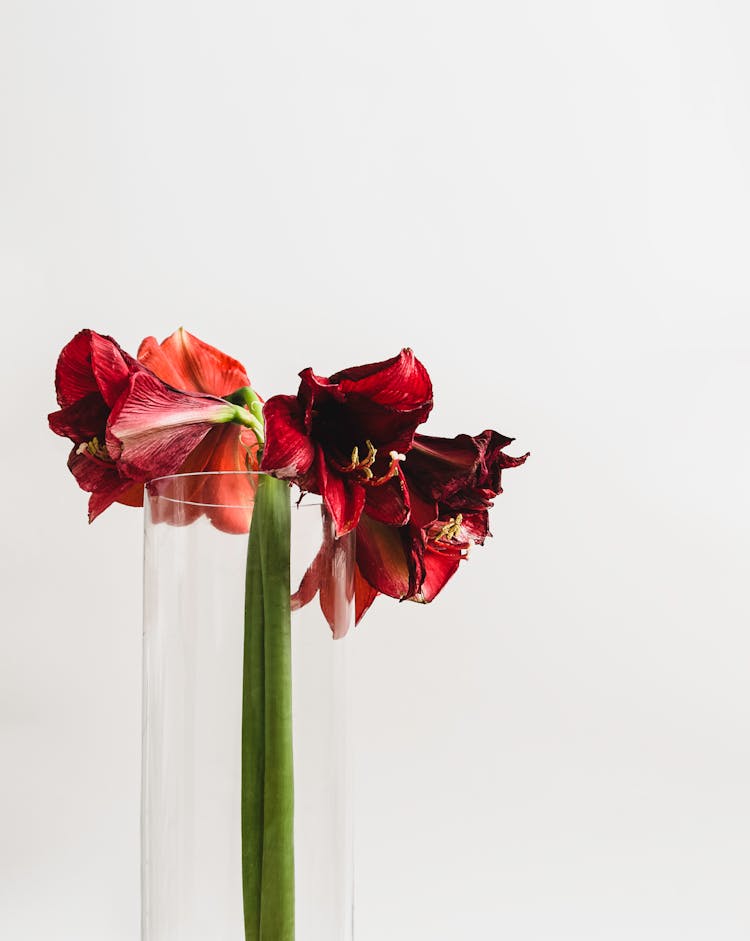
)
(550, 203)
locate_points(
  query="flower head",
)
(346, 437)
(127, 424)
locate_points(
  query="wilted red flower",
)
(451, 484)
(345, 437)
(418, 511)
(126, 424)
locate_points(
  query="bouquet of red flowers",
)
(417, 504)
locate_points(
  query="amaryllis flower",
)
(346, 436)
(451, 484)
(218, 490)
(127, 425)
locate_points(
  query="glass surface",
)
(192, 716)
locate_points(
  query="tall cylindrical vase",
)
(196, 545)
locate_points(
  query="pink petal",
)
(153, 428)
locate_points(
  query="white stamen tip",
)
(395, 456)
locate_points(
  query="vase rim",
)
(153, 489)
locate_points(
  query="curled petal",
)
(190, 364)
(101, 479)
(81, 421)
(91, 363)
(401, 383)
(152, 428)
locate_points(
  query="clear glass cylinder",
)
(194, 582)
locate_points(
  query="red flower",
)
(344, 437)
(451, 484)
(126, 424)
(188, 363)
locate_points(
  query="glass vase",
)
(196, 542)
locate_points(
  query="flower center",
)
(363, 468)
(94, 449)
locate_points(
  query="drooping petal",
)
(101, 479)
(390, 558)
(309, 585)
(462, 472)
(192, 364)
(288, 451)
(364, 595)
(344, 499)
(81, 421)
(336, 580)
(152, 428)
(437, 464)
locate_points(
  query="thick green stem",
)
(267, 766)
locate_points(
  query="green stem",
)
(267, 766)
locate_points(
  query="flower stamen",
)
(94, 449)
(451, 529)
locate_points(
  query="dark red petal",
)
(400, 383)
(197, 365)
(494, 460)
(388, 429)
(343, 498)
(313, 390)
(74, 377)
(475, 527)
(439, 567)
(100, 479)
(389, 559)
(110, 368)
(153, 428)
(364, 595)
(388, 503)
(440, 465)
(288, 451)
(82, 421)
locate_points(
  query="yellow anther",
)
(371, 452)
(94, 448)
(355, 456)
(451, 529)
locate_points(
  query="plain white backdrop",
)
(550, 203)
